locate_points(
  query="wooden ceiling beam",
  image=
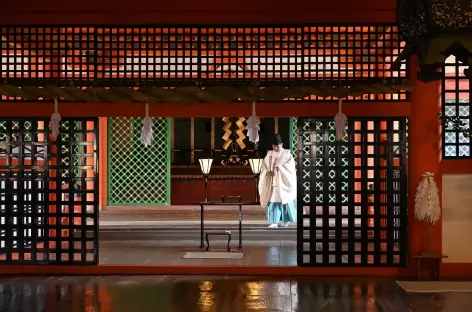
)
(17, 12)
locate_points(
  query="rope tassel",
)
(340, 122)
(146, 132)
(427, 205)
(252, 125)
(55, 122)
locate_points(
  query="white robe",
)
(282, 187)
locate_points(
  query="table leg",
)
(201, 226)
(240, 226)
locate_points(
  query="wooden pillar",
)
(102, 160)
(424, 154)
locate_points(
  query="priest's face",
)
(276, 148)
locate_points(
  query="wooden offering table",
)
(429, 256)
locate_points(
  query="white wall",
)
(457, 217)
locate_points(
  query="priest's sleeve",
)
(265, 184)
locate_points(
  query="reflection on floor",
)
(193, 293)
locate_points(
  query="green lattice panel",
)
(71, 152)
(324, 136)
(138, 175)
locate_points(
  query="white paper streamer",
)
(146, 132)
(55, 122)
(252, 125)
(427, 205)
(340, 122)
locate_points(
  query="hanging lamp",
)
(146, 132)
(252, 125)
(55, 122)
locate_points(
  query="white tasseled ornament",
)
(427, 205)
(252, 125)
(340, 122)
(146, 132)
(55, 122)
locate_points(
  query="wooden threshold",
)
(198, 270)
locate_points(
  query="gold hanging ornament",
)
(240, 133)
(228, 132)
(239, 122)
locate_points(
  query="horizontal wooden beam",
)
(201, 18)
(456, 166)
(289, 109)
(196, 12)
(199, 270)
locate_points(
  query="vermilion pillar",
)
(424, 154)
(102, 158)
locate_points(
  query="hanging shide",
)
(252, 125)
(146, 132)
(340, 121)
(55, 122)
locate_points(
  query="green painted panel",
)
(138, 175)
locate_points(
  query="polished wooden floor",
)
(215, 294)
(271, 253)
(162, 237)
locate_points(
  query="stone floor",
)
(225, 294)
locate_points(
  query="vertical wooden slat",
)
(212, 133)
(192, 140)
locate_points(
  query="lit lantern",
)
(434, 30)
(256, 166)
(205, 166)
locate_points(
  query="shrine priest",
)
(278, 185)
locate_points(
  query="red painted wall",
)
(186, 193)
(196, 12)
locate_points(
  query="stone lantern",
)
(434, 30)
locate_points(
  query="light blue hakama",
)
(278, 212)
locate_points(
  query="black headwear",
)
(276, 139)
